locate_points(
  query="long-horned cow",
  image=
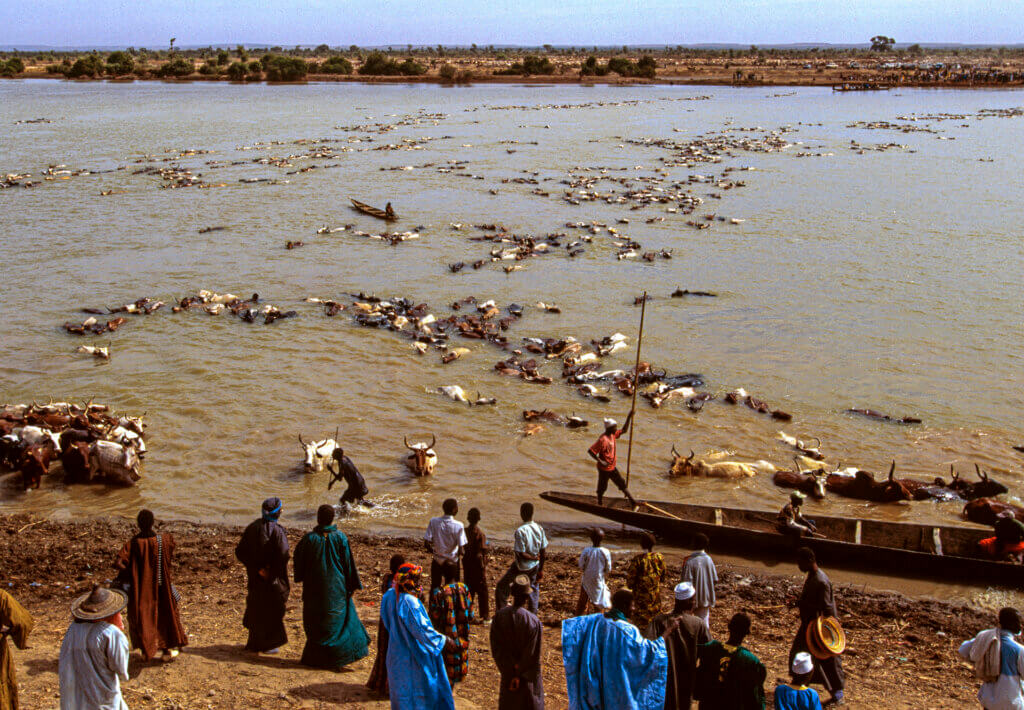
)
(687, 466)
(316, 453)
(422, 458)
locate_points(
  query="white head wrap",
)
(802, 663)
(684, 591)
(608, 421)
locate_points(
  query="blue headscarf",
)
(271, 509)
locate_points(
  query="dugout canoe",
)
(903, 549)
(372, 211)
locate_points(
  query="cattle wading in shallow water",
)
(422, 459)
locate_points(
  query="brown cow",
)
(35, 463)
(811, 482)
(422, 459)
(987, 510)
(863, 485)
(75, 460)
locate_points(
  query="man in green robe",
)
(729, 675)
(324, 566)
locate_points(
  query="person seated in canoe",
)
(1008, 543)
(389, 211)
(790, 520)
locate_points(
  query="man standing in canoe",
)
(603, 451)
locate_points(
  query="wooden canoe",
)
(372, 211)
(903, 549)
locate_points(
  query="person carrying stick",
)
(603, 451)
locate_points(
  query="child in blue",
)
(795, 695)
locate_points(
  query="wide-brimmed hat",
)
(99, 604)
(522, 583)
(802, 663)
(825, 637)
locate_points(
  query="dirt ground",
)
(901, 652)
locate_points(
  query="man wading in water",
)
(603, 451)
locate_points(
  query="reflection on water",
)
(881, 279)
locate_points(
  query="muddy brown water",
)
(883, 279)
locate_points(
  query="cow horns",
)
(981, 474)
(301, 441)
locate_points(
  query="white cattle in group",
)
(114, 462)
(714, 467)
(127, 437)
(316, 453)
(454, 393)
(33, 435)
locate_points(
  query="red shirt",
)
(604, 450)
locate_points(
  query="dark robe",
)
(474, 568)
(682, 645)
(729, 677)
(153, 619)
(264, 547)
(817, 600)
(378, 680)
(19, 622)
(324, 566)
(515, 645)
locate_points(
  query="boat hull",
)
(902, 549)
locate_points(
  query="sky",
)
(146, 23)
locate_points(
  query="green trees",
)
(120, 63)
(623, 66)
(448, 72)
(881, 43)
(89, 66)
(237, 71)
(12, 66)
(278, 68)
(379, 64)
(531, 65)
(179, 68)
(223, 57)
(336, 65)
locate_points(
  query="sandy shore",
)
(901, 652)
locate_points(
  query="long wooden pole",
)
(636, 375)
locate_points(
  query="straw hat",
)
(825, 637)
(99, 604)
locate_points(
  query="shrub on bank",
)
(237, 71)
(278, 68)
(90, 66)
(335, 65)
(378, 64)
(12, 66)
(530, 65)
(120, 63)
(178, 68)
(447, 72)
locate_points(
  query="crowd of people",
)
(628, 653)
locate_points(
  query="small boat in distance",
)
(903, 549)
(386, 214)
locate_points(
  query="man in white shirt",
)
(444, 539)
(999, 657)
(699, 570)
(94, 654)
(530, 543)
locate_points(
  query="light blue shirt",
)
(530, 539)
(93, 661)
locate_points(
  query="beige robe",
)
(19, 622)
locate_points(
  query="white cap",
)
(684, 591)
(608, 421)
(802, 663)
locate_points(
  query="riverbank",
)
(902, 652)
(850, 70)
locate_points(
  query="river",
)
(853, 277)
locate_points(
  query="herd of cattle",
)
(813, 477)
(316, 454)
(92, 443)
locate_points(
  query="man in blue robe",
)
(324, 566)
(609, 665)
(416, 673)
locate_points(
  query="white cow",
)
(114, 462)
(316, 453)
